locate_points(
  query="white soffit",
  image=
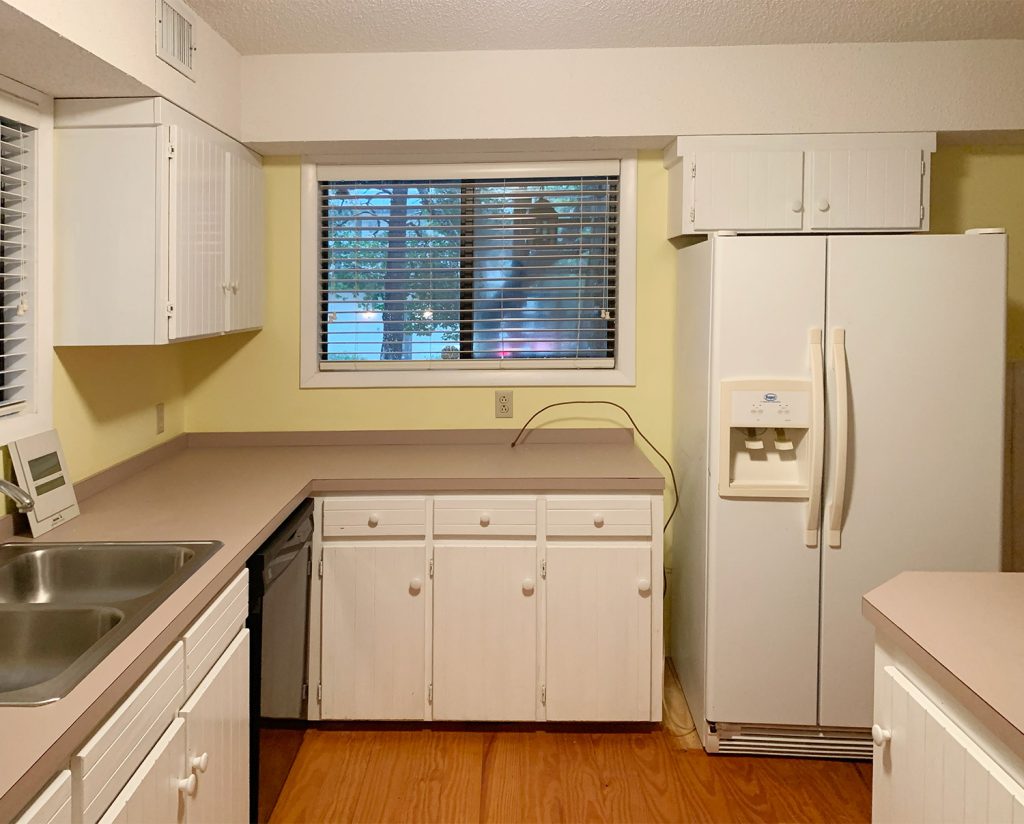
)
(333, 26)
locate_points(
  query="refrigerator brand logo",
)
(770, 397)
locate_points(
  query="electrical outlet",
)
(159, 418)
(503, 403)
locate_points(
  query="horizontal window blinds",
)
(16, 266)
(473, 273)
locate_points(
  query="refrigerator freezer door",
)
(924, 321)
(762, 580)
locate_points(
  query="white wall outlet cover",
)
(41, 470)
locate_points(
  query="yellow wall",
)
(255, 386)
(105, 402)
(984, 186)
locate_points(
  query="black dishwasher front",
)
(279, 576)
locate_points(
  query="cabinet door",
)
(866, 189)
(198, 213)
(748, 190)
(217, 739)
(373, 635)
(930, 770)
(485, 632)
(598, 632)
(244, 242)
(156, 790)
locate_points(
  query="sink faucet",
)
(18, 495)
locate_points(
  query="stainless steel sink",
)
(87, 574)
(40, 644)
(64, 607)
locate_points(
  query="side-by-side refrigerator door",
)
(915, 360)
(762, 611)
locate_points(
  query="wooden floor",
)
(459, 775)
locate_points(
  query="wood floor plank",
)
(564, 776)
(422, 776)
(321, 784)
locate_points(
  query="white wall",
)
(951, 86)
(122, 33)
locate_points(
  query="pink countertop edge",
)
(966, 629)
(239, 495)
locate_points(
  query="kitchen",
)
(105, 398)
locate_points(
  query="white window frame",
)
(508, 373)
(28, 106)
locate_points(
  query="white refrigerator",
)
(839, 419)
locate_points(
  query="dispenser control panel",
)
(770, 406)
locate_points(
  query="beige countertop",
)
(967, 630)
(238, 494)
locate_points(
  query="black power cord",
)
(668, 463)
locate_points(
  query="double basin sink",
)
(64, 607)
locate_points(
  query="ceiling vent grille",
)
(175, 36)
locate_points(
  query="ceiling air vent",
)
(175, 35)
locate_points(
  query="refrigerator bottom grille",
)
(846, 745)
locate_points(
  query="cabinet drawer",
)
(53, 805)
(621, 516)
(212, 631)
(510, 515)
(103, 766)
(375, 517)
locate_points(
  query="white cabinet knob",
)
(823, 205)
(485, 520)
(797, 205)
(234, 288)
(188, 785)
(879, 736)
(372, 521)
(598, 520)
(644, 586)
(415, 585)
(528, 586)
(200, 762)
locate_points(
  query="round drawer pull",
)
(797, 205)
(528, 586)
(644, 586)
(485, 520)
(415, 585)
(823, 205)
(188, 785)
(879, 736)
(372, 521)
(200, 762)
(599, 520)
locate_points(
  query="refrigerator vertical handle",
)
(817, 356)
(838, 503)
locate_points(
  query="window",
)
(457, 274)
(26, 269)
(17, 162)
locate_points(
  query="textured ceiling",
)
(313, 26)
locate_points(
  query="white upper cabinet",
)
(799, 183)
(159, 226)
(753, 190)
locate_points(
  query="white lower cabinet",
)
(157, 789)
(508, 608)
(598, 632)
(216, 720)
(52, 805)
(927, 767)
(485, 632)
(373, 630)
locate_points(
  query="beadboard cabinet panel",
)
(373, 657)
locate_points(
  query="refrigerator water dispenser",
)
(764, 439)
